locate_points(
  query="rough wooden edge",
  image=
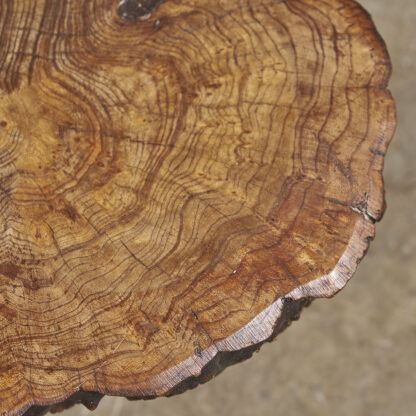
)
(268, 324)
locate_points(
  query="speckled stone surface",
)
(354, 354)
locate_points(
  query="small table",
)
(178, 179)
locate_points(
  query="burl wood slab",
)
(177, 179)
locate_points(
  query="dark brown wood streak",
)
(176, 184)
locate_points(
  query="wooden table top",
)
(178, 179)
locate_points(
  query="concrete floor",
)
(355, 354)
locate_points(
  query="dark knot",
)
(133, 10)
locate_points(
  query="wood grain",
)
(176, 183)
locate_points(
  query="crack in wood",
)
(200, 325)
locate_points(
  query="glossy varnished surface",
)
(167, 183)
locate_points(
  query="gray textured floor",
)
(355, 354)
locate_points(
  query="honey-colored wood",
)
(176, 182)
